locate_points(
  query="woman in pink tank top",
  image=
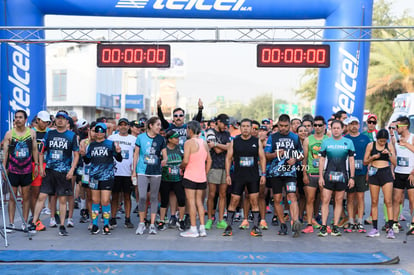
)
(196, 163)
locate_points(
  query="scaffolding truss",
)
(252, 34)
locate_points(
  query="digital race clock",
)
(285, 55)
(133, 55)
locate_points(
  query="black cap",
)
(123, 120)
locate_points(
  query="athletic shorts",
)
(383, 176)
(313, 181)
(194, 185)
(122, 184)
(56, 183)
(22, 180)
(361, 185)
(238, 185)
(37, 181)
(402, 181)
(278, 183)
(333, 185)
(216, 176)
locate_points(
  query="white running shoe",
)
(52, 222)
(190, 234)
(46, 211)
(203, 232)
(140, 229)
(70, 223)
(152, 230)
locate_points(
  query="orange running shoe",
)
(308, 229)
(40, 226)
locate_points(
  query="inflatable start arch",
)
(342, 86)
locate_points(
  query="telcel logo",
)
(348, 84)
(220, 5)
(20, 78)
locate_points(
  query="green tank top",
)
(313, 150)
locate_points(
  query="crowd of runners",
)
(203, 174)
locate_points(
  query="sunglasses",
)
(317, 125)
(371, 122)
(180, 115)
(255, 128)
(401, 125)
(391, 128)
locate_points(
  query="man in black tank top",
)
(246, 151)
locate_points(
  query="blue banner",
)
(134, 101)
(340, 87)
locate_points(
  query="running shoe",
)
(221, 224)
(62, 231)
(106, 230)
(161, 226)
(315, 224)
(390, 234)
(275, 222)
(40, 226)
(10, 228)
(336, 232)
(172, 223)
(45, 211)
(360, 228)
(268, 210)
(190, 234)
(70, 223)
(256, 232)
(283, 229)
(343, 221)
(209, 224)
(308, 229)
(140, 229)
(368, 221)
(244, 224)
(323, 232)
(228, 231)
(286, 217)
(395, 228)
(348, 228)
(411, 230)
(296, 227)
(152, 230)
(52, 222)
(128, 223)
(112, 223)
(84, 216)
(373, 233)
(181, 226)
(263, 225)
(94, 230)
(202, 231)
(31, 228)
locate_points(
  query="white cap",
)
(81, 123)
(352, 119)
(43, 116)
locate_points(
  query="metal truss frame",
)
(253, 34)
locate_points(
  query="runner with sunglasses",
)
(371, 132)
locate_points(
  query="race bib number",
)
(359, 165)
(315, 163)
(246, 162)
(336, 176)
(125, 154)
(56, 154)
(291, 187)
(174, 171)
(403, 161)
(150, 159)
(372, 171)
(93, 184)
(22, 152)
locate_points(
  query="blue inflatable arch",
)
(342, 86)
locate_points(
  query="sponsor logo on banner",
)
(348, 82)
(202, 5)
(19, 77)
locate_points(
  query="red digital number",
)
(106, 56)
(128, 56)
(320, 56)
(288, 55)
(116, 55)
(138, 55)
(161, 56)
(298, 56)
